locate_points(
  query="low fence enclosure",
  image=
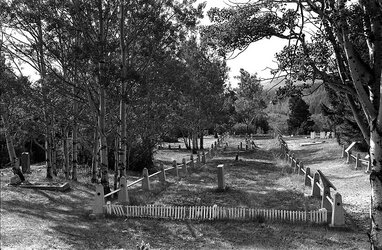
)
(215, 213)
(320, 186)
(178, 170)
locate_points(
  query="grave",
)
(52, 186)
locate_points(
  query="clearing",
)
(40, 219)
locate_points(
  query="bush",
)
(243, 129)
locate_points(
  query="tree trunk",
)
(122, 111)
(201, 139)
(102, 102)
(102, 140)
(116, 162)
(376, 188)
(66, 156)
(194, 142)
(95, 157)
(8, 137)
(48, 156)
(75, 150)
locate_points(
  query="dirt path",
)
(352, 184)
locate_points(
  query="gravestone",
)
(25, 162)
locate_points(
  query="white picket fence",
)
(215, 213)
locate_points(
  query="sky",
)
(258, 57)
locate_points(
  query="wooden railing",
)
(177, 169)
(215, 213)
(348, 154)
(321, 186)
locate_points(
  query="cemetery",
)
(190, 124)
(266, 188)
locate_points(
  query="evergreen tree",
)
(299, 121)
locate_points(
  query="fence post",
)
(338, 218)
(241, 145)
(324, 201)
(315, 188)
(348, 157)
(308, 181)
(175, 166)
(292, 162)
(123, 196)
(357, 162)
(162, 175)
(300, 168)
(99, 200)
(146, 180)
(343, 151)
(184, 167)
(221, 182)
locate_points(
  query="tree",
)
(299, 121)
(353, 32)
(250, 104)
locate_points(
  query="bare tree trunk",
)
(122, 112)
(95, 157)
(66, 155)
(116, 162)
(102, 140)
(102, 103)
(75, 150)
(194, 142)
(376, 189)
(48, 156)
(201, 139)
(8, 137)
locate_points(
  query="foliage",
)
(299, 121)
(250, 102)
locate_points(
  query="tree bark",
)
(8, 137)
(102, 102)
(122, 113)
(66, 155)
(95, 157)
(376, 188)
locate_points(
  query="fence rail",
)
(347, 153)
(179, 169)
(320, 186)
(215, 213)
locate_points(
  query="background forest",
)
(115, 80)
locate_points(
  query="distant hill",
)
(274, 84)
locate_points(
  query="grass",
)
(36, 219)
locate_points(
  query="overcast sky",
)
(259, 56)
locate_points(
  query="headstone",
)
(312, 135)
(322, 135)
(221, 182)
(25, 162)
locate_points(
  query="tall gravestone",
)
(25, 162)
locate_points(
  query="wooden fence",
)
(203, 213)
(350, 157)
(321, 186)
(179, 170)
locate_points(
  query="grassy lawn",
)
(36, 219)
